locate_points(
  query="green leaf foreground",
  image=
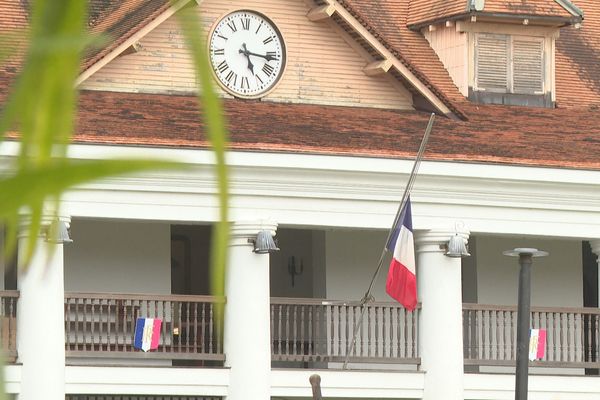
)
(31, 187)
(42, 107)
(217, 135)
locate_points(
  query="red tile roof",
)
(116, 19)
(386, 20)
(119, 20)
(13, 25)
(504, 135)
(565, 137)
(578, 60)
(423, 12)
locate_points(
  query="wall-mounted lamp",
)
(264, 243)
(293, 269)
(456, 247)
(58, 233)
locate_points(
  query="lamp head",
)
(456, 247)
(264, 243)
(58, 233)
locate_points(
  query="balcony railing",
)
(8, 325)
(322, 330)
(572, 341)
(102, 325)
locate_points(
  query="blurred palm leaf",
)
(217, 134)
(42, 108)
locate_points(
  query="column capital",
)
(47, 220)
(434, 240)
(241, 231)
(595, 244)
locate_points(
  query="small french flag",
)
(537, 344)
(147, 333)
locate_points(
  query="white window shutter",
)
(528, 66)
(492, 62)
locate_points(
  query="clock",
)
(247, 53)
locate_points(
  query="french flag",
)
(401, 283)
(537, 344)
(147, 333)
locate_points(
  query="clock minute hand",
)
(267, 57)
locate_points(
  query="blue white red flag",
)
(147, 333)
(401, 283)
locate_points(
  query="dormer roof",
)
(545, 12)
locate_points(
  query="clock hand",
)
(245, 52)
(267, 57)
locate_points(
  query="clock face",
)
(247, 54)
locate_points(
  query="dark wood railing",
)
(8, 325)
(322, 330)
(103, 325)
(489, 333)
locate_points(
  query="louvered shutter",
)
(528, 66)
(491, 62)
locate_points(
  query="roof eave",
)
(550, 20)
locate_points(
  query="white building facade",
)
(321, 162)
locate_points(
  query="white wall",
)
(119, 257)
(351, 261)
(451, 47)
(556, 280)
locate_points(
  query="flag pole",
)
(411, 180)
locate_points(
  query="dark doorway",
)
(590, 299)
(190, 247)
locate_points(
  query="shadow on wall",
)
(585, 57)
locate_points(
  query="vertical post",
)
(315, 382)
(247, 336)
(523, 310)
(41, 319)
(440, 318)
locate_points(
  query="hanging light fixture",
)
(58, 233)
(456, 247)
(264, 243)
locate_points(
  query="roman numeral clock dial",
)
(247, 53)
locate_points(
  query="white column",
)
(40, 321)
(247, 341)
(440, 321)
(595, 244)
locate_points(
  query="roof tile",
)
(505, 135)
(427, 11)
(578, 60)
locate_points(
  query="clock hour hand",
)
(245, 52)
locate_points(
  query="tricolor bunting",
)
(537, 344)
(401, 283)
(147, 333)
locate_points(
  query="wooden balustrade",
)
(322, 330)
(489, 334)
(103, 325)
(8, 327)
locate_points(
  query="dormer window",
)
(511, 68)
(509, 64)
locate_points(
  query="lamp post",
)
(524, 305)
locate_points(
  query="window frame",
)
(509, 87)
